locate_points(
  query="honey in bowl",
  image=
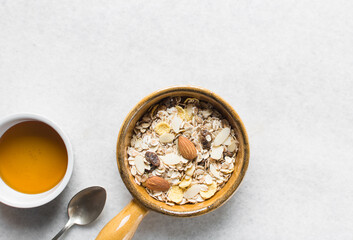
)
(33, 157)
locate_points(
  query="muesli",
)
(182, 151)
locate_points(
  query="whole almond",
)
(186, 148)
(157, 184)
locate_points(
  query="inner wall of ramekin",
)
(188, 209)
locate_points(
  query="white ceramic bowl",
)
(14, 198)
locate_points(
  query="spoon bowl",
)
(84, 207)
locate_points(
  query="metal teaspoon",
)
(84, 207)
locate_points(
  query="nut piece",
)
(140, 165)
(176, 122)
(214, 171)
(228, 141)
(216, 152)
(186, 148)
(188, 113)
(157, 184)
(152, 158)
(232, 147)
(208, 179)
(176, 194)
(192, 191)
(171, 159)
(222, 136)
(166, 138)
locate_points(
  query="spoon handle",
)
(67, 226)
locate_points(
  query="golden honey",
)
(33, 157)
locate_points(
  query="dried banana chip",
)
(176, 194)
(181, 112)
(161, 128)
(185, 183)
(210, 192)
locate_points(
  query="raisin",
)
(170, 102)
(229, 154)
(202, 163)
(203, 139)
(204, 132)
(151, 169)
(152, 158)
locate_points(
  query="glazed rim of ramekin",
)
(151, 203)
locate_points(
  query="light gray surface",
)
(285, 66)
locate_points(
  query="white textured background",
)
(285, 65)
